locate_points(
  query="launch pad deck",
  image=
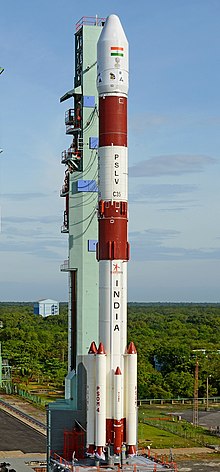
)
(133, 464)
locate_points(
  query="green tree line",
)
(171, 337)
(35, 347)
(168, 338)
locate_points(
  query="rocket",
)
(112, 391)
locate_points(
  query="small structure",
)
(5, 374)
(46, 307)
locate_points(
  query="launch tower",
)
(79, 191)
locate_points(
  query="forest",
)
(35, 347)
(168, 337)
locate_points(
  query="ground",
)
(209, 419)
(17, 436)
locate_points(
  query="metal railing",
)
(176, 401)
(65, 266)
(73, 128)
(153, 465)
(70, 155)
(64, 190)
(23, 416)
(69, 116)
(90, 21)
(64, 229)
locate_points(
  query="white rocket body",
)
(115, 417)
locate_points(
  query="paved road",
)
(206, 418)
(16, 436)
(199, 466)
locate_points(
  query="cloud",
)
(45, 248)
(163, 193)
(149, 245)
(153, 235)
(170, 197)
(23, 196)
(180, 208)
(39, 236)
(171, 165)
(140, 123)
(26, 219)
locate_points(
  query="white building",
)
(46, 307)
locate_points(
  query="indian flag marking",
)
(116, 51)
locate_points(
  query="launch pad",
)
(133, 464)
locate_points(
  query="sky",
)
(174, 143)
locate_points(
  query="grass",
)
(45, 392)
(156, 427)
(164, 410)
(157, 438)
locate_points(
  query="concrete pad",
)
(20, 463)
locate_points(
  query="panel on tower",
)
(87, 186)
(89, 101)
(93, 142)
(92, 245)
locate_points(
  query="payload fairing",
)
(112, 378)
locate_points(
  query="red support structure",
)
(74, 443)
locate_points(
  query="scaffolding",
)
(196, 401)
(5, 374)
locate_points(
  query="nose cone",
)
(112, 58)
(101, 349)
(93, 348)
(131, 348)
(118, 371)
(113, 30)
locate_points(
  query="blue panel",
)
(89, 101)
(87, 186)
(92, 245)
(93, 142)
(36, 309)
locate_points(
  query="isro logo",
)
(116, 270)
